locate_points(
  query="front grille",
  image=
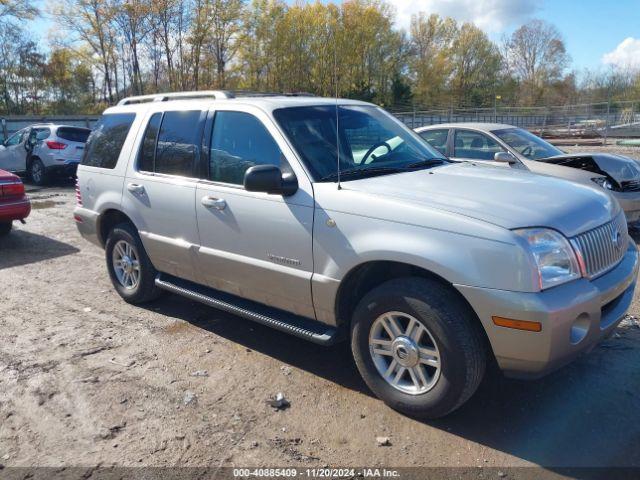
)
(630, 186)
(603, 247)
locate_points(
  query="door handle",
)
(213, 202)
(135, 188)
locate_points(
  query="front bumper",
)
(574, 317)
(630, 203)
(15, 210)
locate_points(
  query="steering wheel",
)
(373, 149)
(526, 151)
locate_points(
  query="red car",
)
(14, 203)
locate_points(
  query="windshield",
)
(527, 144)
(371, 141)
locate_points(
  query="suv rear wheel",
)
(417, 346)
(37, 172)
(132, 274)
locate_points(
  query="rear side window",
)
(240, 141)
(42, 133)
(437, 139)
(73, 134)
(177, 143)
(146, 159)
(106, 140)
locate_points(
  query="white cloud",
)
(625, 56)
(492, 16)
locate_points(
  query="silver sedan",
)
(506, 145)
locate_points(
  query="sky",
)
(599, 34)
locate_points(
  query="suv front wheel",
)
(132, 274)
(417, 346)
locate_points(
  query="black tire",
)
(145, 290)
(38, 172)
(455, 331)
(5, 228)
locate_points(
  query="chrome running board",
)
(297, 325)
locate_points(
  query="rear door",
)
(253, 244)
(159, 191)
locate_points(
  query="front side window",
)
(475, 145)
(371, 141)
(239, 141)
(14, 139)
(437, 139)
(177, 144)
(527, 144)
(106, 140)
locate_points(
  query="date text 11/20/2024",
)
(316, 472)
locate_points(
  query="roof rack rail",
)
(247, 93)
(165, 97)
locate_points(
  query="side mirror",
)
(505, 157)
(269, 179)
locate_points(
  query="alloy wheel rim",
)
(36, 172)
(404, 353)
(126, 264)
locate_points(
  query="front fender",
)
(459, 258)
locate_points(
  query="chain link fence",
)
(592, 120)
(606, 119)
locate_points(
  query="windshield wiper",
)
(365, 172)
(429, 162)
(362, 172)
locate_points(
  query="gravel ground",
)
(87, 380)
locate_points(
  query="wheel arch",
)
(366, 276)
(109, 219)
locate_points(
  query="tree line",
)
(102, 50)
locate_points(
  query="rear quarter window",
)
(106, 141)
(73, 134)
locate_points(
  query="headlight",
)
(555, 259)
(603, 182)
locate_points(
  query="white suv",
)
(44, 150)
(429, 268)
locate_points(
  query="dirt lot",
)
(86, 379)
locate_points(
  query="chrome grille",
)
(603, 247)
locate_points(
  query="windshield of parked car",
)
(527, 144)
(372, 142)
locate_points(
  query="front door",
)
(470, 145)
(254, 245)
(13, 157)
(159, 192)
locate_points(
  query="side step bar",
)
(297, 325)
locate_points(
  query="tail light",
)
(56, 145)
(78, 194)
(12, 189)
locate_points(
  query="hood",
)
(505, 197)
(568, 173)
(618, 167)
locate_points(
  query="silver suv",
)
(429, 268)
(44, 150)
